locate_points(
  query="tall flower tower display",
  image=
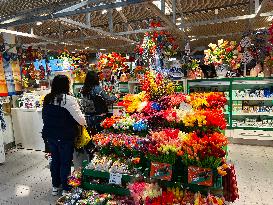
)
(165, 141)
(155, 47)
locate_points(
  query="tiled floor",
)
(25, 177)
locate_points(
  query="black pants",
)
(62, 155)
(93, 122)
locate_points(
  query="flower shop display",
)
(155, 47)
(153, 194)
(79, 196)
(74, 179)
(164, 137)
(113, 61)
(223, 55)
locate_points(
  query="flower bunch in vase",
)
(113, 61)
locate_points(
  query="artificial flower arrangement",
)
(212, 100)
(74, 179)
(113, 61)
(225, 52)
(79, 75)
(193, 65)
(30, 75)
(156, 86)
(180, 130)
(161, 42)
(66, 59)
(204, 151)
(152, 194)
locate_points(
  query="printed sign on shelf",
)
(115, 178)
(200, 176)
(161, 171)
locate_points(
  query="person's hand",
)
(117, 95)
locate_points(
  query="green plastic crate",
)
(106, 188)
(104, 175)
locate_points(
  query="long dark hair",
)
(60, 86)
(91, 80)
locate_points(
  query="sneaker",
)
(55, 191)
(64, 193)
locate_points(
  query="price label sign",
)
(115, 178)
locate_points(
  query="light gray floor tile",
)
(25, 177)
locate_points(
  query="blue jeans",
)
(62, 155)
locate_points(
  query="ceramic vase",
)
(221, 70)
(191, 75)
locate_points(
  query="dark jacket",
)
(61, 120)
(58, 123)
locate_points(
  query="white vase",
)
(221, 70)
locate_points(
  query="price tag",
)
(115, 178)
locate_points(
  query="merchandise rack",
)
(230, 85)
(119, 190)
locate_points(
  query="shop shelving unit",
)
(212, 85)
(234, 117)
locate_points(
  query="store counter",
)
(27, 128)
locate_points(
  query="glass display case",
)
(252, 104)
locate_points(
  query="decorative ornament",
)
(245, 42)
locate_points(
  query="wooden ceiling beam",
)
(72, 13)
(49, 40)
(99, 31)
(223, 20)
(166, 19)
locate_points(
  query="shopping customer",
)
(95, 101)
(61, 117)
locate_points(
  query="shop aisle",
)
(25, 177)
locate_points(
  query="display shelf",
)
(230, 85)
(253, 114)
(253, 128)
(253, 99)
(106, 188)
(104, 175)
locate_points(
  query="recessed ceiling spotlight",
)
(86, 47)
(178, 24)
(48, 28)
(104, 11)
(38, 23)
(178, 19)
(243, 10)
(119, 8)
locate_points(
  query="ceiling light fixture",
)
(103, 49)
(39, 23)
(178, 19)
(86, 47)
(104, 11)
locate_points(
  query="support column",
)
(174, 11)
(163, 6)
(110, 20)
(88, 19)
